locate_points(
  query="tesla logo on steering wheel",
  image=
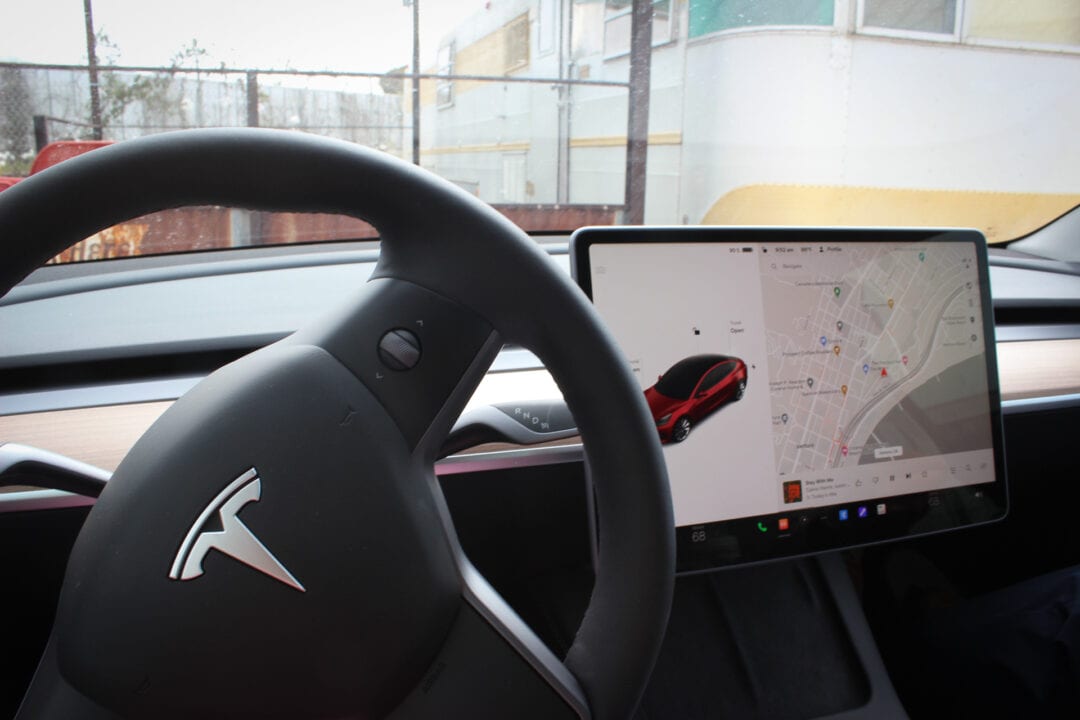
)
(233, 539)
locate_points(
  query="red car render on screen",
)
(692, 390)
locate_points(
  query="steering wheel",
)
(277, 545)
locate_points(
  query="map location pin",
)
(840, 325)
(823, 340)
(865, 368)
(890, 303)
(843, 389)
(810, 382)
(835, 349)
(843, 451)
(904, 359)
(836, 291)
(784, 418)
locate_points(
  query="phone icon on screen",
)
(762, 527)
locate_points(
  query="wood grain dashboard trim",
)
(1038, 368)
(102, 436)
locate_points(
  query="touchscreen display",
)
(811, 389)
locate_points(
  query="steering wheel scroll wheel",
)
(277, 545)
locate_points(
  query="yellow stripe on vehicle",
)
(664, 138)
(484, 148)
(1001, 216)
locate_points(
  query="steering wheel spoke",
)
(493, 665)
(419, 353)
(51, 697)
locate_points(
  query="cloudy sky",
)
(357, 35)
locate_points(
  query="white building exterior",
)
(808, 111)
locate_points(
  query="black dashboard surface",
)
(526, 527)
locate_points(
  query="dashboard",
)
(94, 353)
(126, 338)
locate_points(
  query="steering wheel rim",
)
(435, 238)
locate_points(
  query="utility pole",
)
(92, 68)
(415, 80)
(252, 99)
(637, 124)
(41, 133)
(566, 100)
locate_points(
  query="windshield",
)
(564, 113)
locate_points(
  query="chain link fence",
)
(42, 104)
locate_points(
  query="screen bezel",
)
(737, 541)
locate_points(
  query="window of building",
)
(1032, 22)
(444, 89)
(516, 43)
(547, 18)
(586, 29)
(709, 16)
(618, 19)
(514, 178)
(935, 17)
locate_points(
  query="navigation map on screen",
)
(788, 376)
